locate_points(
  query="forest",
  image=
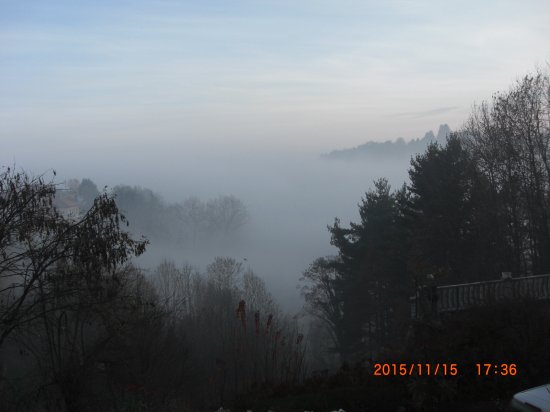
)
(84, 328)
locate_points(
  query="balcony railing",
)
(440, 299)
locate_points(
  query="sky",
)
(263, 75)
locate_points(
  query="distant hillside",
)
(398, 147)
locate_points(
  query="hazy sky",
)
(260, 74)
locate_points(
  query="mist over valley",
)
(290, 198)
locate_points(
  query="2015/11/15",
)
(417, 369)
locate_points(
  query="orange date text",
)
(415, 369)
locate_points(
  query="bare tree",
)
(320, 291)
(226, 214)
(225, 273)
(192, 213)
(37, 245)
(510, 141)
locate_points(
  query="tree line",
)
(191, 222)
(474, 207)
(397, 149)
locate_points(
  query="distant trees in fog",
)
(200, 221)
(191, 222)
(398, 148)
(87, 192)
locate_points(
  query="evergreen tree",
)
(372, 269)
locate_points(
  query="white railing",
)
(463, 296)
